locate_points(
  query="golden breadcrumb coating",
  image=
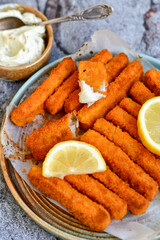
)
(27, 110)
(135, 150)
(42, 140)
(124, 120)
(85, 210)
(152, 81)
(93, 74)
(56, 101)
(130, 106)
(122, 165)
(116, 65)
(103, 56)
(140, 93)
(85, 184)
(136, 203)
(116, 91)
(72, 102)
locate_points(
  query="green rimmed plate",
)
(45, 213)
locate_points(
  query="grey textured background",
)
(136, 21)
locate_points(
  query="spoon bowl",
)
(10, 22)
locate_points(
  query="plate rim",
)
(155, 62)
(20, 201)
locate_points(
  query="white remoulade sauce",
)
(22, 45)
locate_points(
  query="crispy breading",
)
(56, 101)
(113, 69)
(116, 91)
(135, 150)
(140, 93)
(122, 165)
(136, 203)
(33, 105)
(103, 56)
(93, 73)
(130, 106)
(42, 140)
(152, 81)
(85, 210)
(124, 120)
(85, 184)
(116, 65)
(72, 102)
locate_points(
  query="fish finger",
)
(72, 102)
(152, 81)
(85, 210)
(42, 140)
(56, 101)
(116, 91)
(85, 184)
(136, 203)
(93, 74)
(27, 110)
(113, 69)
(135, 150)
(140, 93)
(103, 56)
(124, 120)
(122, 165)
(130, 106)
(116, 65)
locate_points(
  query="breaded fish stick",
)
(152, 81)
(85, 210)
(103, 56)
(116, 91)
(93, 74)
(113, 69)
(122, 165)
(116, 65)
(56, 101)
(131, 147)
(124, 120)
(140, 93)
(42, 140)
(72, 102)
(130, 106)
(136, 203)
(85, 184)
(33, 105)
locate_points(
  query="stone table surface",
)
(137, 22)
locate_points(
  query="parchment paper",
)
(142, 227)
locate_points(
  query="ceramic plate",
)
(46, 214)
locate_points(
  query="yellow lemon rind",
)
(95, 152)
(142, 130)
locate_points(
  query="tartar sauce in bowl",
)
(22, 45)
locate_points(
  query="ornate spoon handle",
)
(100, 11)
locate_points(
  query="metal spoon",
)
(100, 11)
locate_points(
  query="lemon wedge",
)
(72, 157)
(149, 125)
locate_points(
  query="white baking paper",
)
(142, 227)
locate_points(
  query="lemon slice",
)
(149, 125)
(72, 157)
